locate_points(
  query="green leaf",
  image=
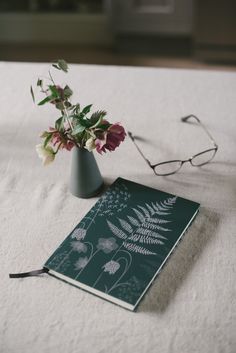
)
(60, 106)
(97, 123)
(32, 93)
(96, 118)
(80, 119)
(54, 91)
(87, 109)
(39, 82)
(47, 139)
(67, 92)
(58, 123)
(67, 104)
(78, 129)
(76, 108)
(44, 134)
(84, 122)
(56, 67)
(45, 100)
(75, 118)
(104, 126)
(97, 115)
(62, 65)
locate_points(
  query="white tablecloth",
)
(191, 305)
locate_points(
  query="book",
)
(119, 247)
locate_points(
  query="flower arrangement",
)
(74, 127)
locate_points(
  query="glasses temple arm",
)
(185, 119)
(133, 140)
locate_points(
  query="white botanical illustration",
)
(75, 245)
(57, 260)
(81, 263)
(79, 246)
(142, 232)
(114, 200)
(144, 227)
(79, 233)
(106, 245)
(131, 290)
(138, 232)
(111, 267)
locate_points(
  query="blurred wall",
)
(204, 29)
(215, 29)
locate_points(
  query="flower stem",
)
(51, 77)
(63, 260)
(90, 258)
(101, 273)
(67, 116)
(127, 265)
(57, 148)
(65, 110)
(97, 280)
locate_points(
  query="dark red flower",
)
(112, 138)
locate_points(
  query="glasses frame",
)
(181, 162)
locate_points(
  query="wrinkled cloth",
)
(191, 305)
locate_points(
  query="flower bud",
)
(90, 144)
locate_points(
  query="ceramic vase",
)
(85, 179)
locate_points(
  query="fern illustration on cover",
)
(122, 243)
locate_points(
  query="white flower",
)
(45, 153)
(81, 263)
(78, 246)
(79, 233)
(90, 144)
(111, 267)
(107, 244)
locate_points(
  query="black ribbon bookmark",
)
(29, 274)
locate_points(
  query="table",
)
(191, 305)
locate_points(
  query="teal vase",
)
(85, 179)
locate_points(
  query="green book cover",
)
(119, 247)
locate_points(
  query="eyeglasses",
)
(173, 166)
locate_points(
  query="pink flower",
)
(111, 139)
(100, 143)
(58, 138)
(68, 145)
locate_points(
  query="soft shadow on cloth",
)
(181, 261)
(107, 184)
(157, 147)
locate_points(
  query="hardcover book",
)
(120, 246)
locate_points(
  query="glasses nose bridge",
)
(187, 160)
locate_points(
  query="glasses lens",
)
(167, 168)
(203, 157)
